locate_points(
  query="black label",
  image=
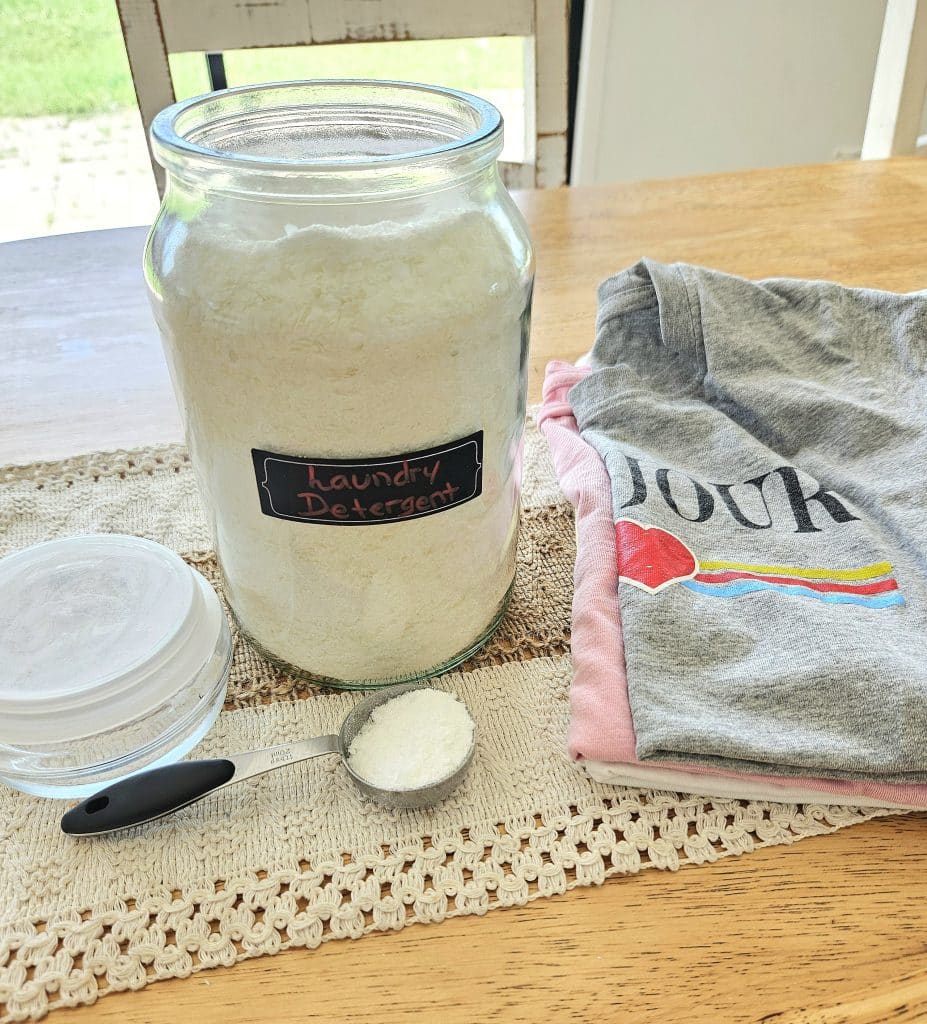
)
(362, 492)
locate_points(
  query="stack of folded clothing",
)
(748, 465)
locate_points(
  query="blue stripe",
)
(735, 589)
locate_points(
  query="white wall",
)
(680, 87)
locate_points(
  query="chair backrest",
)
(155, 28)
(900, 82)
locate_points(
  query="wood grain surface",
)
(833, 929)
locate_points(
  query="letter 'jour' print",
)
(652, 558)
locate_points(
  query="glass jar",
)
(343, 286)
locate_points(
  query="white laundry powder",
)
(346, 342)
(413, 740)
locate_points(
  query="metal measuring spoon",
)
(152, 794)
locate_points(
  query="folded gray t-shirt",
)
(767, 447)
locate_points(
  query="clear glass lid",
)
(93, 630)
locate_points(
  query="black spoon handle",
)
(146, 796)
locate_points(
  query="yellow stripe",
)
(867, 572)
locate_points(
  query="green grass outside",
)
(67, 57)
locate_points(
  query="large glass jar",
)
(343, 287)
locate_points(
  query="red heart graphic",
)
(651, 558)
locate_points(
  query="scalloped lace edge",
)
(71, 958)
(166, 458)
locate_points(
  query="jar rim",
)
(169, 138)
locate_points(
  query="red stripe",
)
(879, 587)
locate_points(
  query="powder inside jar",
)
(414, 740)
(358, 342)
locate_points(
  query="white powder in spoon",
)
(413, 740)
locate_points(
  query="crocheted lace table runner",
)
(296, 858)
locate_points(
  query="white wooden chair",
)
(155, 28)
(900, 82)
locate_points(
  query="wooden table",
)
(831, 930)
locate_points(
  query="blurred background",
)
(657, 88)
